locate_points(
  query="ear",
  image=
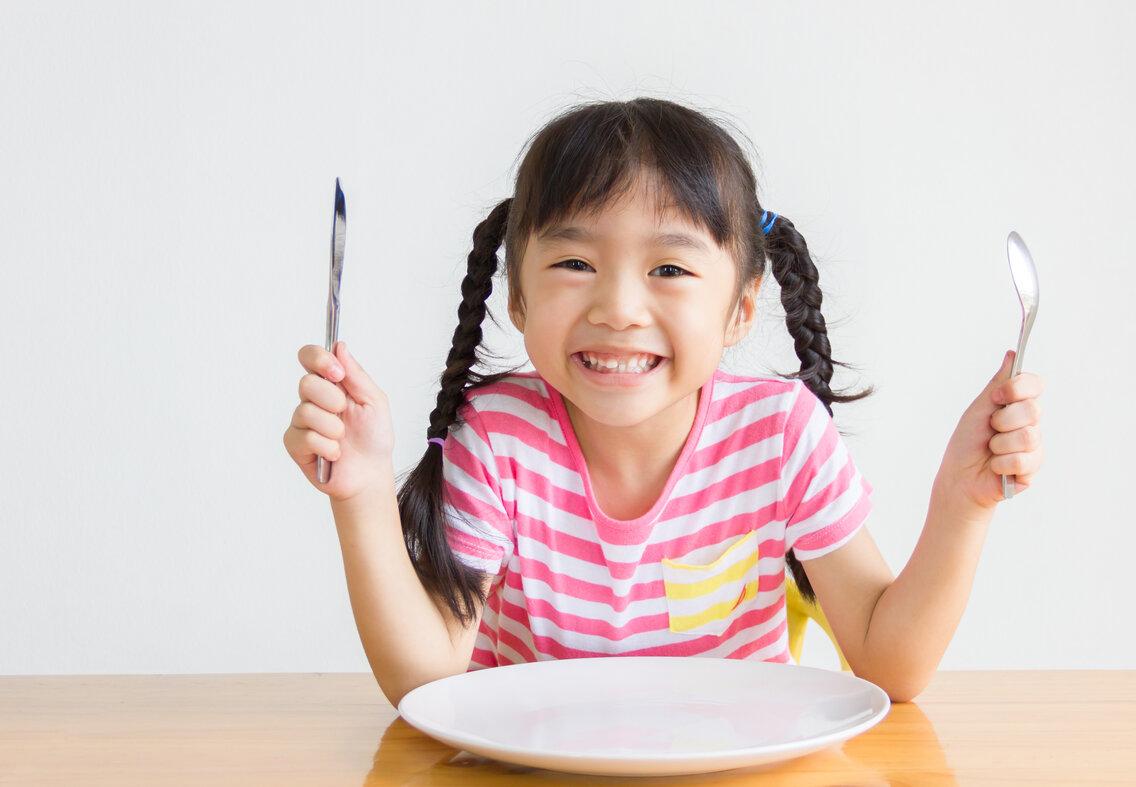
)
(516, 316)
(742, 318)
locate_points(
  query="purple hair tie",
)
(437, 440)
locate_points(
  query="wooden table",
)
(1036, 727)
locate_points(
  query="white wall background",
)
(165, 199)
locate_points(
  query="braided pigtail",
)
(801, 297)
(420, 498)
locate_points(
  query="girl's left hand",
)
(999, 434)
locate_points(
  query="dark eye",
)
(565, 262)
(681, 271)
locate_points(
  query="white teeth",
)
(635, 365)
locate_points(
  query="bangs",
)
(589, 159)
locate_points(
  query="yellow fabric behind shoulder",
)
(798, 611)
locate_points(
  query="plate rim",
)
(812, 744)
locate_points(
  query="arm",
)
(916, 617)
(895, 632)
(910, 621)
(409, 637)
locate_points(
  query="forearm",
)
(401, 628)
(917, 615)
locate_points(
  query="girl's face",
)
(623, 281)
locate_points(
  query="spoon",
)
(1024, 274)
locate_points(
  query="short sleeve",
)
(478, 526)
(824, 498)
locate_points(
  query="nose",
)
(619, 300)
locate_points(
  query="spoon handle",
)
(1027, 323)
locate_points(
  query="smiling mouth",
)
(609, 368)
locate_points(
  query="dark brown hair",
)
(582, 160)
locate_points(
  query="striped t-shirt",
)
(762, 470)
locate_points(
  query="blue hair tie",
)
(767, 226)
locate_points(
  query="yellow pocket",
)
(701, 597)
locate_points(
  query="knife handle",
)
(323, 466)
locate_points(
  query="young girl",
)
(629, 497)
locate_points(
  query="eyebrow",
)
(671, 239)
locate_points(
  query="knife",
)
(338, 239)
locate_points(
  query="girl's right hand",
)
(348, 424)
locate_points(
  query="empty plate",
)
(645, 715)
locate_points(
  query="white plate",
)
(645, 715)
